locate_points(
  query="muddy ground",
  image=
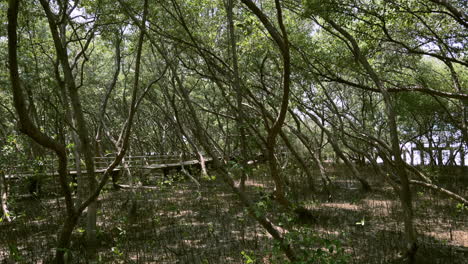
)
(174, 221)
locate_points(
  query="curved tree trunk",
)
(281, 39)
(60, 41)
(28, 127)
(405, 192)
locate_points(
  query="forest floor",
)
(175, 222)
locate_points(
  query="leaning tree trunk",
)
(60, 41)
(281, 39)
(405, 192)
(29, 128)
(315, 154)
(339, 153)
(199, 133)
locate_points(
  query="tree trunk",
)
(298, 158)
(405, 192)
(28, 127)
(64, 238)
(339, 153)
(105, 99)
(315, 154)
(281, 39)
(205, 142)
(75, 139)
(3, 197)
(238, 89)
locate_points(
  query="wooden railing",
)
(102, 163)
(49, 166)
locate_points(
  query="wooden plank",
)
(168, 165)
(174, 163)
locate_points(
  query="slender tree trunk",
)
(339, 153)
(463, 102)
(405, 192)
(105, 99)
(238, 89)
(315, 154)
(199, 133)
(281, 39)
(132, 209)
(81, 128)
(75, 139)
(202, 163)
(298, 158)
(28, 127)
(64, 239)
(3, 197)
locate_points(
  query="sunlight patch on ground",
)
(347, 206)
(383, 207)
(455, 237)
